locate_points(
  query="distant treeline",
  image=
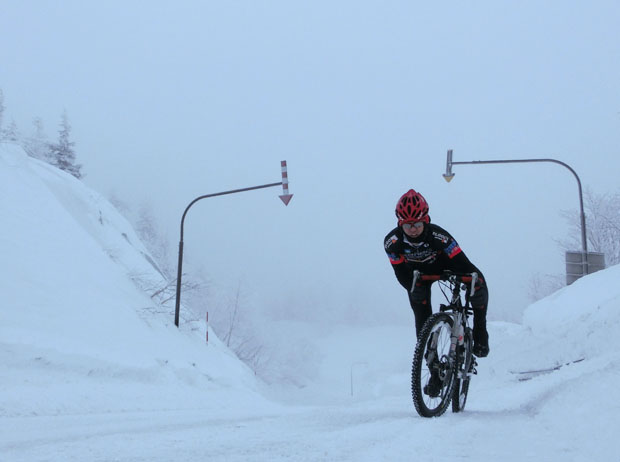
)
(60, 153)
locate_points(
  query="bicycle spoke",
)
(431, 374)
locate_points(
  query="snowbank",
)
(75, 331)
(580, 320)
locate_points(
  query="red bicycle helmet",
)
(411, 208)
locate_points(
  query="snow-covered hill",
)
(90, 370)
(76, 333)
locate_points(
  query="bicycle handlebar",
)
(439, 277)
(446, 276)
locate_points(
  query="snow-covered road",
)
(385, 429)
(563, 414)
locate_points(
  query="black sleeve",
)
(461, 264)
(404, 275)
(393, 249)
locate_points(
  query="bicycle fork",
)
(458, 355)
(457, 340)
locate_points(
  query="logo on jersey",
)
(425, 256)
(442, 237)
(452, 250)
(396, 259)
(391, 241)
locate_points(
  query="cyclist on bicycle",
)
(417, 244)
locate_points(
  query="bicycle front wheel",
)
(431, 373)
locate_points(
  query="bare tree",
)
(37, 144)
(232, 323)
(11, 133)
(154, 238)
(541, 285)
(233, 317)
(602, 232)
(150, 232)
(603, 225)
(164, 293)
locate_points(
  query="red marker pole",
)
(286, 197)
(207, 327)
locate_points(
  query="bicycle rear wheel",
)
(431, 373)
(461, 381)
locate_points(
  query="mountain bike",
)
(443, 362)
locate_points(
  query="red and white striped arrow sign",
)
(286, 197)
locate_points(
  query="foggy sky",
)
(171, 101)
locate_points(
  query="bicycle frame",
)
(459, 310)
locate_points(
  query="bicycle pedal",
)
(472, 367)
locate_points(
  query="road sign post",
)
(584, 244)
(285, 197)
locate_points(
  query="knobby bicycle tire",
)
(425, 405)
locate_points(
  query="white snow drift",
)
(76, 334)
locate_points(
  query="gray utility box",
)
(575, 265)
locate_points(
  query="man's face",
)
(413, 229)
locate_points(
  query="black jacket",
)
(434, 251)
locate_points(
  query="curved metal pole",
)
(584, 243)
(177, 308)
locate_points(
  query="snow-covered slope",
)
(581, 320)
(76, 334)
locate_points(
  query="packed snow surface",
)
(93, 370)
